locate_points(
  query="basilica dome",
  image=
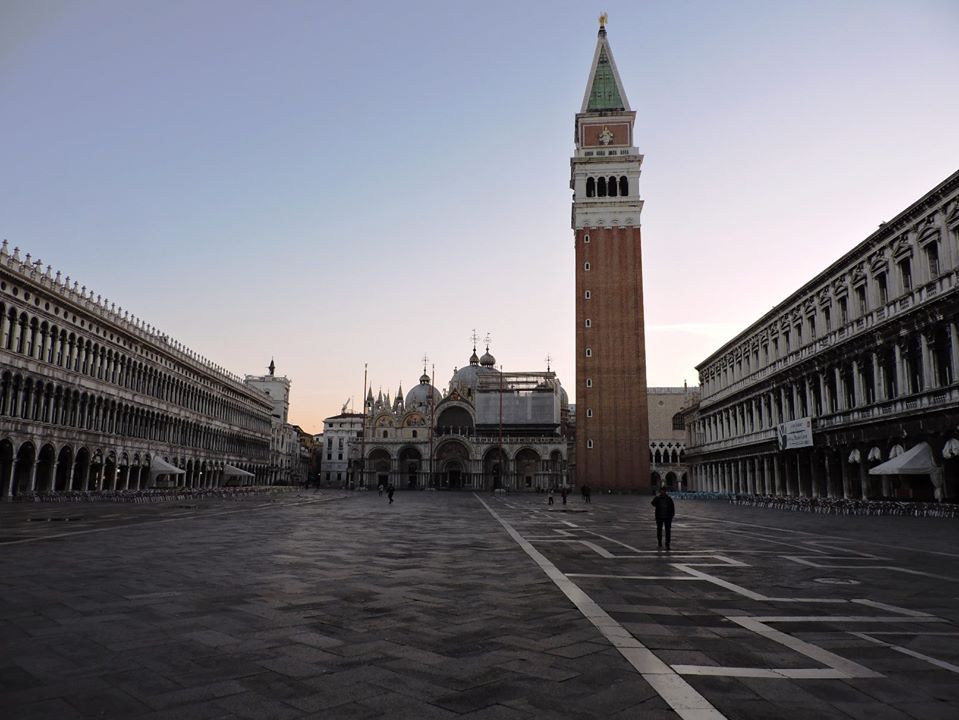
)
(423, 394)
(467, 377)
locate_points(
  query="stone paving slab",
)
(339, 605)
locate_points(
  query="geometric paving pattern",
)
(455, 605)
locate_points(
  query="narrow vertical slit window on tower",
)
(589, 352)
(586, 238)
(586, 266)
(589, 323)
(588, 295)
(589, 444)
(589, 412)
(589, 382)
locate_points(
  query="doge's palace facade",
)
(92, 398)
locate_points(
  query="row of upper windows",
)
(607, 186)
(90, 326)
(915, 364)
(868, 294)
(36, 338)
(52, 403)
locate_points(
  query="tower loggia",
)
(612, 420)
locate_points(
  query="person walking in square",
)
(563, 493)
(665, 510)
(549, 496)
(587, 494)
(389, 492)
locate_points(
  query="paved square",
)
(450, 605)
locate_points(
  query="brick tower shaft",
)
(612, 417)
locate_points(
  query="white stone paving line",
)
(841, 539)
(912, 653)
(678, 694)
(891, 568)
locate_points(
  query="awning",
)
(233, 471)
(162, 467)
(917, 460)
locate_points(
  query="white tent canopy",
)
(917, 460)
(158, 466)
(232, 470)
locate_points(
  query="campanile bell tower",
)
(612, 417)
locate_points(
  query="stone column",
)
(844, 469)
(927, 376)
(33, 474)
(8, 482)
(73, 468)
(840, 390)
(879, 387)
(864, 478)
(52, 477)
(901, 385)
(16, 335)
(856, 384)
(953, 350)
(777, 476)
(813, 471)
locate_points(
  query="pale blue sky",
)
(333, 185)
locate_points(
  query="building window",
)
(329, 456)
(586, 238)
(932, 259)
(843, 310)
(678, 422)
(882, 288)
(340, 456)
(589, 412)
(589, 323)
(385, 433)
(589, 382)
(812, 327)
(414, 433)
(589, 444)
(589, 352)
(827, 318)
(588, 295)
(861, 299)
(590, 187)
(586, 266)
(905, 274)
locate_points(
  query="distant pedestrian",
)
(587, 493)
(379, 489)
(549, 496)
(563, 493)
(389, 492)
(665, 510)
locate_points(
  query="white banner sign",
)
(795, 434)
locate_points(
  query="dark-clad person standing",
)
(665, 510)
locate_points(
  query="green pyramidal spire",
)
(604, 93)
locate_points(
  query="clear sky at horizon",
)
(333, 184)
